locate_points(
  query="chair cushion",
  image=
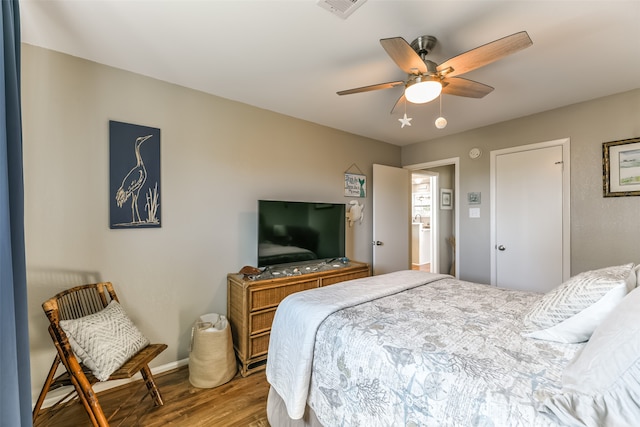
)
(571, 312)
(105, 340)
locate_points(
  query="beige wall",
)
(604, 231)
(218, 157)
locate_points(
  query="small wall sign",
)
(474, 198)
(355, 185)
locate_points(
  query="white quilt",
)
(446, 354)
(299, 316)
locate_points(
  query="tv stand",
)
(252, 304)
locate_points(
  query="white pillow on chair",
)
(105, 340)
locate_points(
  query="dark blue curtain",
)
(15, 388)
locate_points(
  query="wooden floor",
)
(422, 267)
(240, 402)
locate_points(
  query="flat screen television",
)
(291, 232)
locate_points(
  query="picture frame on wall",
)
(474, 198)
(355, 185)
(621, 168)
(446, 198)
(134, 176)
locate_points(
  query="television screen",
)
(299, 231)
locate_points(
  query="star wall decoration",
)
(406, 121)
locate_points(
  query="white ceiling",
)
(292, 56)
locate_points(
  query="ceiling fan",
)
(426, 79)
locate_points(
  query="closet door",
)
(529, 198)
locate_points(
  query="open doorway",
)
(444, 220)
(424, 185)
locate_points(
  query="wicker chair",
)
(78, 302)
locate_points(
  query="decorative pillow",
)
(571, 312)
(601, 386)
(105, 340)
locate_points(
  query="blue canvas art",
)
(134, 183)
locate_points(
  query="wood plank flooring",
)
(423, 267)
(240, 402)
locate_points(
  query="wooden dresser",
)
(251, 306)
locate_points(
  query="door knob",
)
(377, 243)
(501, 248)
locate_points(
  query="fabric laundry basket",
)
(212, 361)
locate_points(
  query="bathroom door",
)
(391, 213)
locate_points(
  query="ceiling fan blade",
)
(372, 87)
(404, 56)
(464, 87)
(485, 54)
(399, 102)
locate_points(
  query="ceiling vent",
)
(341, 8)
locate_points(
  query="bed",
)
(419, 349)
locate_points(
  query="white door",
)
(529, 202)
(391, 213)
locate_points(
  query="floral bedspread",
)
(448, 353)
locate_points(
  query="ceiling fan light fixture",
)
(422, 89)
(441, 122)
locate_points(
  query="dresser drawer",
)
(261, 321)
(271, 296)
(259, 345)
(332, 280)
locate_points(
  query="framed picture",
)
(621, 168)
(355, 185)
(446, 198)
(134, 176)
(474, 198)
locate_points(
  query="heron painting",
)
(135, 176)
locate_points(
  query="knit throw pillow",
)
(105, 340)
(571, 312)
(600, 385)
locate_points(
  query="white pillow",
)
(571, 312)
(601, 386)
(105, 340)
